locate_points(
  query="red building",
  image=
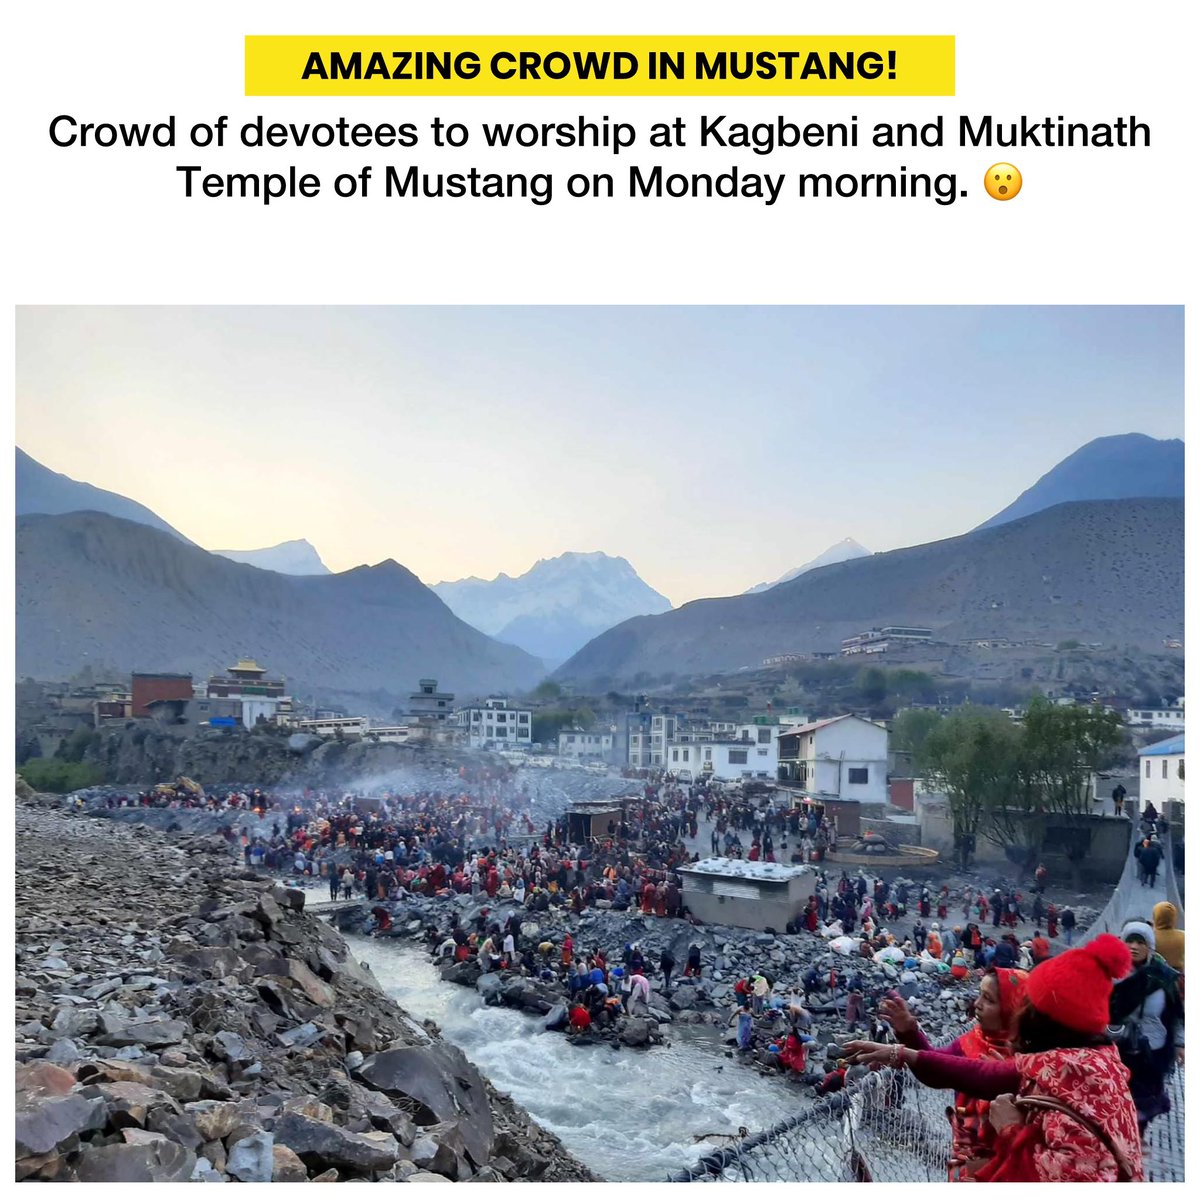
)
(147, 687)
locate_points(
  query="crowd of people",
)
(1066, 1064)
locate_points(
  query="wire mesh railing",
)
(883, 1127)
(888, 1128)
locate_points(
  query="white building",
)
(387, 733)
(1160, 771)
(739, 752)
(1155, 718)
(354, 727)
(842, 758)
(877, 641)
(585, 746)
(496, 724)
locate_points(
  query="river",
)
(628, 1114)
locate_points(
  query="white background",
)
(109, 226)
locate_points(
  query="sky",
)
(714, 448)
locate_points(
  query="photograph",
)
(623, 743)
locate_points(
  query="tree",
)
(872, 685)
(57, 775)
(970, 756)
(547, 690)
(911, 685)
(911, 730)
(1060, 747)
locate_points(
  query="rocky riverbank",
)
(180, 1018)
(727, 954)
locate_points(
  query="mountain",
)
(841, 551)
(40, 490)
(1125, 467)
(95, 589)
(298, 557)
(1100, 571)
(557, 606)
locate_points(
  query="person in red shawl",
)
(648, 898)
(811, 915)
(1064, 1058)
(1000, 996)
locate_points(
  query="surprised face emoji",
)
(1003, 181)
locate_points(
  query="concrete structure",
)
(876, 641)
(582, 745)
(428, 706)
(196, 710)
(594, 820)
(354, 727)
(1155, 718)
(749, 895)
(148, 687)
(1160, 776)
(114, 706)
(496, 724)
(1108, 841)
(387, 733)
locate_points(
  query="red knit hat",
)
(1074, 987)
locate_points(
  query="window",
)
(858, 775)
(763, 753)
(674, 755)
(1164, 768)
(1147, 768)
(737, 757)
(708, 754)
(764, 735)
(523, 719)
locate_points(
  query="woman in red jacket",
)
(1001, 994)
(1061, 1110)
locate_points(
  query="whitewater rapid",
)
(628, 1114)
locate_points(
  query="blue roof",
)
(1173, 745)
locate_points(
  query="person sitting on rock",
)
(579, 1020)
(833, 1081)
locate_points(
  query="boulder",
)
(491, 987)
(215, 1119)
(46, 1121)
(130, 1103)
(444, 1086)
(382, 1114)
(251, 1159)
(151, 1033)
(157, 1161)
(302, 1036)
(321, 1144)
(636, 1032)
(179, 1127)
(231, 1048)
(286, 1166)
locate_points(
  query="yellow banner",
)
(599, 66)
